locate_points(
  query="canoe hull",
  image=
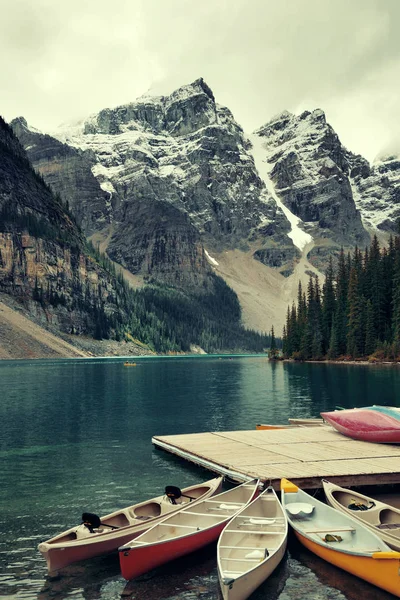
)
(381, 518)
(67, 548)
(246, 585)
(340, 539)
(185, 531)
(312, 422)
(136, 561)
(292, 423)
(383, 573)
(243, 563)
(370, 424)
(58, 558)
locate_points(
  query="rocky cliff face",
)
(68, 171)
(176, 167)
(376, 190)
(42, 256)
(310, 171)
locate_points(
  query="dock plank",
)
(305, 455)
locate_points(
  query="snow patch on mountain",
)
(298, 236)
(210, 258)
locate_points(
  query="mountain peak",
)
(21, 121)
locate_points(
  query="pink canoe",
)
(370, 424)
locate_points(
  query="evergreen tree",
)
(307, 339)
(355, 326)
(328, 305)
(316, 318)
(273, 350)
(388, 263)
(396, 300)
(301, 322)
(375, 290)
(342, 282)
(334, 349)
(284, 341)
(370, 339)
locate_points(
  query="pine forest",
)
(356, 314)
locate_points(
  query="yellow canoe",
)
(340, 539)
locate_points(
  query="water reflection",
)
(313, 388)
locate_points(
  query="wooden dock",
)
(303, 455)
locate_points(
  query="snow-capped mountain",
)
(376, 191)
(136, 171)
(171, 186)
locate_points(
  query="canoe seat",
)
(242, 548)
(330, 530)
(258, 554)
(232, 576)
(259, 521)
(253, 531)
(298, 508)
(388, 526)
(245, 559)
(149, 510)
(225, 504)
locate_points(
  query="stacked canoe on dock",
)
(369, 424)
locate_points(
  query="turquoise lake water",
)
(76, 436)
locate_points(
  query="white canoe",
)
(251, 546)
(79, 543)
(190, 529)
(381, 518)
(340, 539)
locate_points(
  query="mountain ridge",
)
(166, 179)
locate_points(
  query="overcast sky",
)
(64, 59)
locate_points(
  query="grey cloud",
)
(68, 59)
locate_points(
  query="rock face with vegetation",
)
(65, 283)
(43, 256)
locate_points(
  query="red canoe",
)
(370, 424)
(193, 528)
